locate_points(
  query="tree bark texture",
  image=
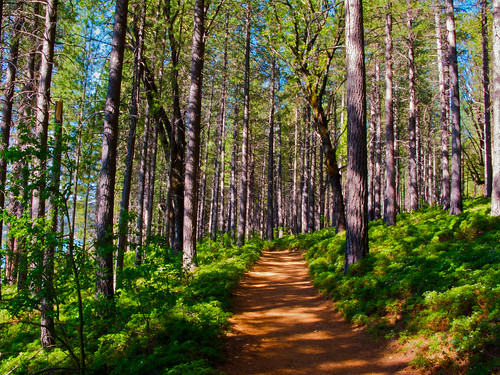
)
(357, 174)
(390, 168)
(129, 160)
(495, 194)
(193, 137)
(106, 186)
(456, 148)
(270, 165)
(412, 128)
(488, 171)
(242, 218)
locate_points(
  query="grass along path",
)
(281, 325)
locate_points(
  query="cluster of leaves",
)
(433, 280)
(165, 321)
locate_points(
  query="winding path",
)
(281, 325)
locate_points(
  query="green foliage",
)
(165, 321)
(432, 277)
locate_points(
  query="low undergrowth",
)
(432, 281)
(163, 322)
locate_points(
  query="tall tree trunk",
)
(141, 194)
(486, 99)
(412, 129)
(41, 134)
(270, 165)
(242, 218)
(193, 137)
(47, 333)
(305, 173)
(311, 185)
(495, 194)
(233, 183)
(390, 168)
(456, 148)
(8, 95)
(295, 198)
(106, 195)
(357, 194)
(149, 204)
(134, 114)
(177, 141)
(378, 145)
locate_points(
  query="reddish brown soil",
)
(281, 325)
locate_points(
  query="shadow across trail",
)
(281, 325)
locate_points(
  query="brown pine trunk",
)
(48, 294)
(495, 194)
(106, 186)
(129, 160)
(390, 168)
(378, 146)
(193, 138)
(141, 194)
(149, 204)
(8, 94)
(488, 172)
(445, 174)
(412, 129)
(242, 218)
(357, 194)
(270, 166)
(456, 151)
(233, 183)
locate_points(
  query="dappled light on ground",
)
(282, 326)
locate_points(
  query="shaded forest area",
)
(143, 139)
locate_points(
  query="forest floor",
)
(281, 325)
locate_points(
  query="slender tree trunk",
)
(193, 137)
(134, 114)
(106, 192)
(47, 333)
(201, 212)
(8, 95)
(486, 99)
(151, 186)
(141, 194)
(295, 199)
(279, 177)
(456, 148)
(390, 168)
(177, 141)
(305, 173)
(233, 183)
(270, 165)
(412, 130)
(378, 146)
(311, 185)
(242, 218)
(495, 194)
(41, 134)
(357, 194)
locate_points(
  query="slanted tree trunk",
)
(242, 218)
(486, 99)
(134, 114)
(412, 129)
(106, 186)
(456, 148)
(495, 194)
(357, 174)
(193, 137)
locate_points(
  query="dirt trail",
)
(282, 326)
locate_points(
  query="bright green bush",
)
(433, 276)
